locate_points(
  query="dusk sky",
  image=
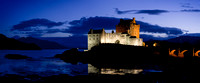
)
(64, 18)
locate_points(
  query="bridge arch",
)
(181, 54)
(171, 53)
(197, 53)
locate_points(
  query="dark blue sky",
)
(64, 18)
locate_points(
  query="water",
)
(42, 63)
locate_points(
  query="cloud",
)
(57, 34)
(156, 11)
(150, 12)
(83, 25)
(29, 24)
(123, 12)
(190, 10)
(28, 33)
(155, 34)
(186, 5)
(164, 35)
(146, 27)
(39, 27)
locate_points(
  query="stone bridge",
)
(181, 53)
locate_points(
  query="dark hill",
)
(185, 39)
(192, 34)
(178, 42)
(71, 42)
(12, 44)
(44, 44)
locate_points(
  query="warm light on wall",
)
(155, 44)
(130, 38)
(120, 71)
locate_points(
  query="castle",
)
(127, 33)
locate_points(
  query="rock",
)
(72, 56)
(16, 56)
(58, 55)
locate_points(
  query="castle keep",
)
(127, 33)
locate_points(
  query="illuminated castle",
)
(127, 33)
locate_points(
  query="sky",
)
(66, 18)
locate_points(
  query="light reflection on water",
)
(111, 71)
(120, 71)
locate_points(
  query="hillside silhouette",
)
(13, 44)
(44, 44)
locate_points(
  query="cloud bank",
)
(39, 27)
(190, 10)
(26, 25)
(82, 26)
(150, 12)
(186, 5)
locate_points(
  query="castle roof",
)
(127, 22)
(95, 31)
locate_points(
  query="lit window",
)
(155, 44)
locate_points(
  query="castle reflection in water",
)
(112, 71)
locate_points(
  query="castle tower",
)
(128, 26)
(123, 26)
(134, 29)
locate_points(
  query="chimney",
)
(91, 31)
(113, 31)
(134, 20)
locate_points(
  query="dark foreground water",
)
(43, 67)
(42, 64)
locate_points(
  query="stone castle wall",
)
(119, 38)
(93, 40)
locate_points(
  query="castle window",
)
(97, 38)
(93, 38)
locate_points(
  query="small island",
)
(16, 56)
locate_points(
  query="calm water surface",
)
(42, 63)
